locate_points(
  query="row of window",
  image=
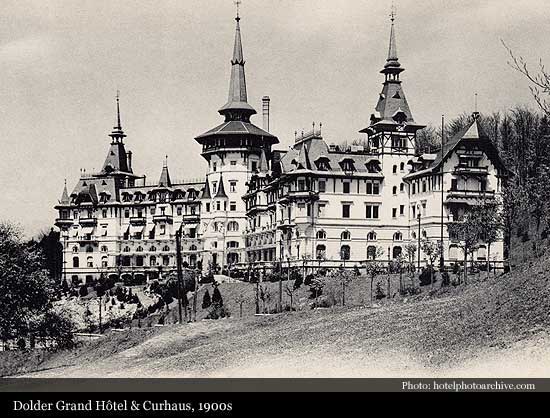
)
(346, 236)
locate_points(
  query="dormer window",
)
(347, 165)
(322, 164)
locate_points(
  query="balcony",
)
(191, 218)
(63, 223)
(163, 218)
(462, 170)
(138, 221)
(468, 196)
(88, 222)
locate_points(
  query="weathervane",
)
(238, 3)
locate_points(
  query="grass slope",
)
(426, 335)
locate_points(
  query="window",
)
(395, 169)
(402, 187)
(372, 211)
(371, 252)
(104, 249)
(152, 211)
(232, 186)
(104, 230)
(126, 213)
(413, 207)
(75, 249)
(126, 249)
(104, 262)
(320, 209)
(218, 205)
(346, 207)
(394, 190)
(139, 249)
(214, 186)
(76, 262)
(371, 236)
(322, 186)
(89, 249)
(104, 213)
(162, 229)
(424, 234)
(345, 252)
(394, 213)
(402, 167)
(402, 210)
(346, 236)
(139, 261)
(165, 260)
(166, 248)
(232, 226)
(321, 252)
(454, 184)
(153, 249)
(153, 261)
(373, 188)
(346, 186)
(179, 210)
(321, 235)
(423, 186)
(90, 262)
(208, 207)
(233, 163)
(254, 166)
(214, 166)
(232, 206)
(398, 236)
(232, 244)
(414, 188)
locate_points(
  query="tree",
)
(345, 277)
(491, 224)
(316, 287)
(206, 302)
(240, 300)
(217, 297)
(374, 268)
(432, 250)
(468, 232)
(290, 290)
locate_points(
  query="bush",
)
(445, 279)
(217, 312)
(309, 279)
(456, 268)
(298, 282)
(426, 276)
(217, 297)
(379, 295)
(83, 291)
(206, 301)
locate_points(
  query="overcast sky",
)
(61, 63)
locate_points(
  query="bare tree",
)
(240, 300)
(375, 267)
(432, 249)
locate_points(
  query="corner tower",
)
(233, 151)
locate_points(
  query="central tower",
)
(233, 151)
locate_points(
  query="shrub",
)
(298, 282)
(206, 301)
(309, 279)
(217, 312)
(217, 297)
(426, 276)
(456, 268)
(445, 279)
(83, 291)
(379, 295)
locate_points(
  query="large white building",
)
(257, 204)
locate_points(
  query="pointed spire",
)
(117, 133)
(264, 167)
(65, 195)
(206, 193)
(164, 180)
(392, 60)
(237, 107)
(220, 194)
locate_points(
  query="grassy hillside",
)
(435, 333)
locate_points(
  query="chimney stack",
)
(265, 111)
(129, 160)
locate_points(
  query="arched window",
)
(90, 262)
(402, 187)
(232, 226)
(126, 249)
(76, 262)
(321, 234)
(402, 167)
(346, 236)
(139, 249)
(424, 234)
(90, 249)
(104, 249)
(394, 169)
(371, 252)
(193, 248)
(413, 235)
(321, 252)
(153, 249)
(398, 236)
(394, 189)
(345, 252)
(104, 262)
(75, 249)
(166, 248)
(397, 251)
(153, 261)
(165, 260)
(371, 236)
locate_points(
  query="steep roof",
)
(220, 194)
(64, 196)
(206, 193)
(237, 128)
(116, 160)
(164, 180)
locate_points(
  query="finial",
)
(393, 13)
(118, 109)
(65, 182)
(238, 3)
(475, 102)
(166, 161)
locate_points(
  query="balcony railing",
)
(471, 194)
(63, 223)
(138, 220)
(191, 218)
(88, 221)
(163, 218)
(462, 169)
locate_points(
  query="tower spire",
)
(117, 133)
(392, 60)
(237, 107)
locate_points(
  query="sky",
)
(61, 63)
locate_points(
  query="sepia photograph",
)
(271, 190)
